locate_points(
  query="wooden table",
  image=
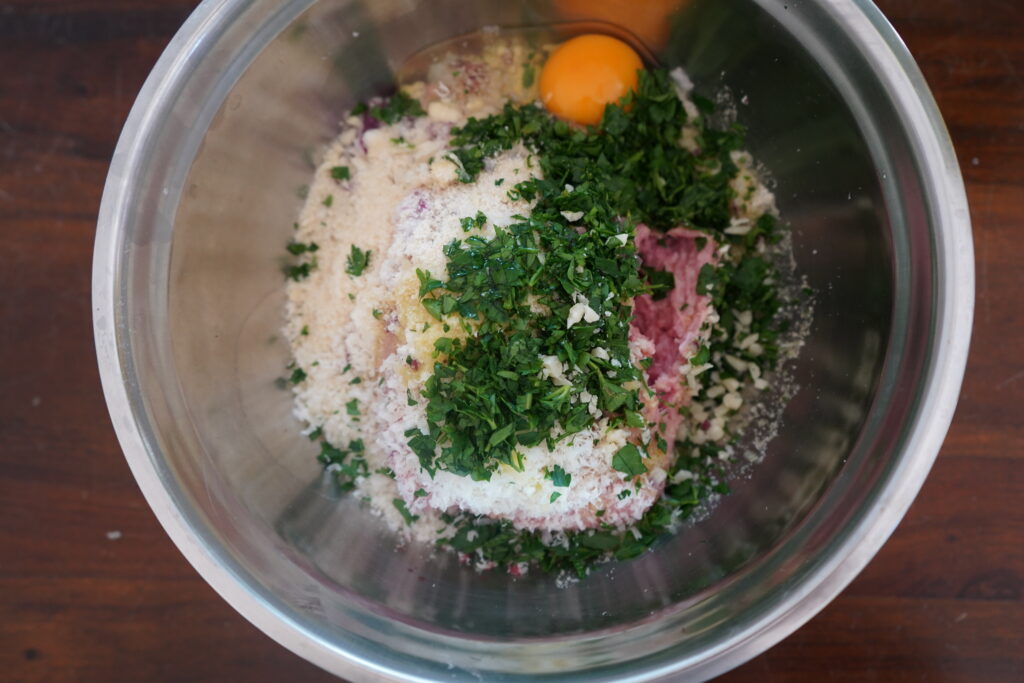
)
(92, 589)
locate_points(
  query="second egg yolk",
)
(586, 73)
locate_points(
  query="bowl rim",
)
(954, 315)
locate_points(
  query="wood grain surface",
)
(92, 589)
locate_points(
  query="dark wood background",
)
(92, 589)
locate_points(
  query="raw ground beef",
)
(668, 329)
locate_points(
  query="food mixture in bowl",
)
(534, 299)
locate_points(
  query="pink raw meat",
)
(669, 327)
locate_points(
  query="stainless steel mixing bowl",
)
(188, 299)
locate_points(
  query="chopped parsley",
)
(340, 172)
(500, 542)
(628, 169)
(404, 511)
(328, 201)
(529, 73)
(628, 461)
(559, 477)
(487, 396)
(632, 157)
(397, 106)
(347, 464)
(299, 272)
(298, 248)
(476, 221)
(357, 261)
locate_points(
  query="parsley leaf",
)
(357, 261)
(529, 73)
(298, 248)
(628, 461)
(404, 511)
(477, 221)
(702, 356)
(299, 272)
(346, 464)
(397, 107)
(559, 477)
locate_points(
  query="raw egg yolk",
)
(586, 73)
